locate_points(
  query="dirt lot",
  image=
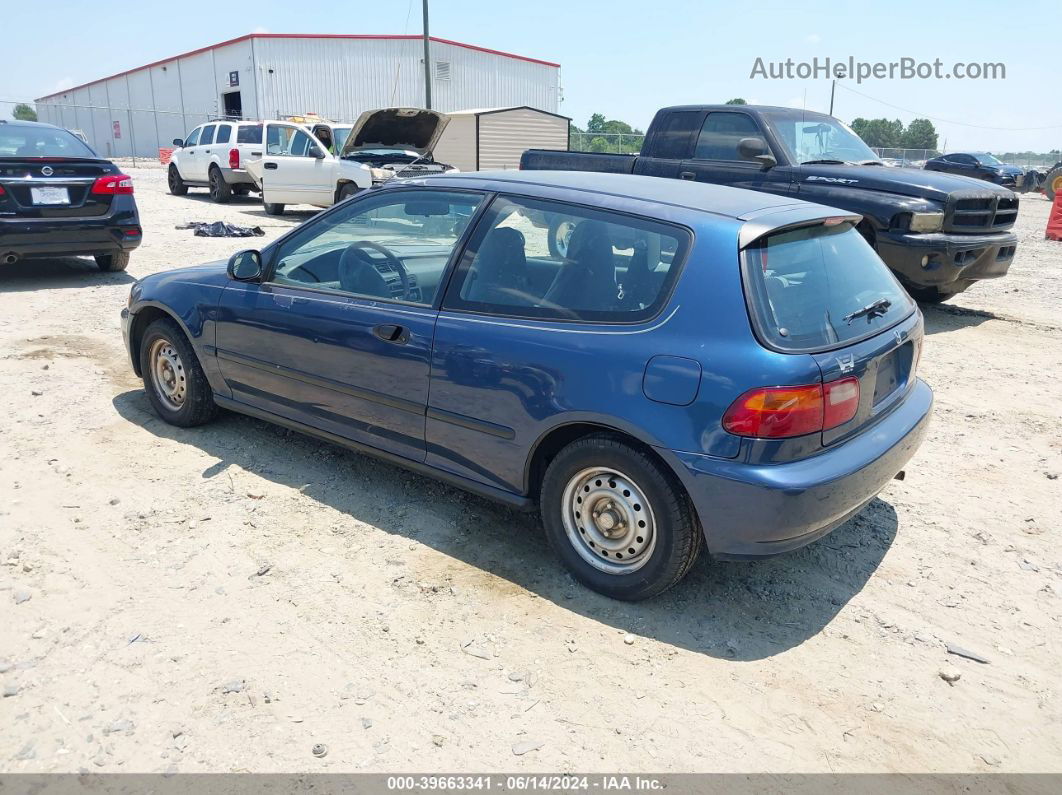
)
(222, 599)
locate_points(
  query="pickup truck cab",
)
(328, 163)
(939, 233)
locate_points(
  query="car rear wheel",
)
(220, 191)
(618, 520)
(175, 383)
(176, 184)
(109, 263)
(273, 209)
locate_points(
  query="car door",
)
(716, 158)
(186, 155)
(291, 170)
(338, 333)
(204, 152)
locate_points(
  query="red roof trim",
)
(249, 36)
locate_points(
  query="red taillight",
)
(2, 191)
(113, 184)
(234, 158)
(778, 412)
(840, 401)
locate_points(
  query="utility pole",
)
(427, 60)
(833, 87)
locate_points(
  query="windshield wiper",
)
(876, 309)
(870, 163)
(826, 161)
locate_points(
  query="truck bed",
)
(552, 160)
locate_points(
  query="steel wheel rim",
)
(168, 376)
(1056, 184)
(564, 236)
(173, 178)
(215, 187)
(608, 520)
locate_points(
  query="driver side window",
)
(393, 246)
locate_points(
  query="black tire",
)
(273, 209)
(1053, 183)
(111, 263)
(197, 404)
(929, 295)
(673, 536)
(346, 191)
(220, 190)
(176, 184)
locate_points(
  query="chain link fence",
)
(616, 143)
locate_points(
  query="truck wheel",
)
(929, 295)
(1053, 183)
(175, 183)
(110, 263)
(241, 190)
(273, 209)
(175, 383)
(348, 190)
(560, 232)
(220, 191)
(620, 523)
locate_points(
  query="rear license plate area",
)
(893, 372)
(47, 196)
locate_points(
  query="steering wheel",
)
(356, 252)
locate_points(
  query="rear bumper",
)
(750, 511)
(237, 176)
(68, 236)
(954, 261)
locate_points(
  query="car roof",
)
(716, 199)
(21, 123)
(746, 107)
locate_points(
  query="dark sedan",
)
(702, 366)
(979, 165)
(59, 198)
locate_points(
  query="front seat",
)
(499, 273)
(587, 279)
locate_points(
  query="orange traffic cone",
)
(1054, 221)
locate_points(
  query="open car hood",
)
(415, 129)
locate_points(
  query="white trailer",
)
(490, 139)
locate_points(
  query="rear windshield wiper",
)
(876, 309)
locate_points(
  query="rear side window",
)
(224, 131)
(542, 259)
(810, 288)
(673, 140)
(249, 134)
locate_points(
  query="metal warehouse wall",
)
(338, 78)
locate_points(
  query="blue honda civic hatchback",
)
(656, 365)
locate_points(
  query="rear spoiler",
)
(771, 220)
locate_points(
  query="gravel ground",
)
(223, 599)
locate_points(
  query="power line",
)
(949, 121)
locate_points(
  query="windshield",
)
(987, 159)
(821, 286)
(814, 137)
(19, 141)
(341, 134)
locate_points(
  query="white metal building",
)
(494, 138)
(265, 75)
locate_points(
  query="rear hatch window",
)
(249, 134)
(820, 287)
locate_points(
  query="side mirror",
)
(316, 152)
(756, 149)
(178, 142)
(245, 266)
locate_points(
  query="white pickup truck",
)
(299, 168)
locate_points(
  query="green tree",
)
(920, 134)
(879, 132)
(736, 101)
(24, 112)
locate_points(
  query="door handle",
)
(686, 175)
(270, 166)
(389, 332)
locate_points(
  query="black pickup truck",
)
(939, 233)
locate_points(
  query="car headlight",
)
(926, 222)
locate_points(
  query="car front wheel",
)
(175, 183)
(619, 521)
(175, 383)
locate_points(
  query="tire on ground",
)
(220, 190)
(273, 209)
(678, 537)
(174, 181)
(198, 406)
(110, 263)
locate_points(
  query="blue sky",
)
(623, 59)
